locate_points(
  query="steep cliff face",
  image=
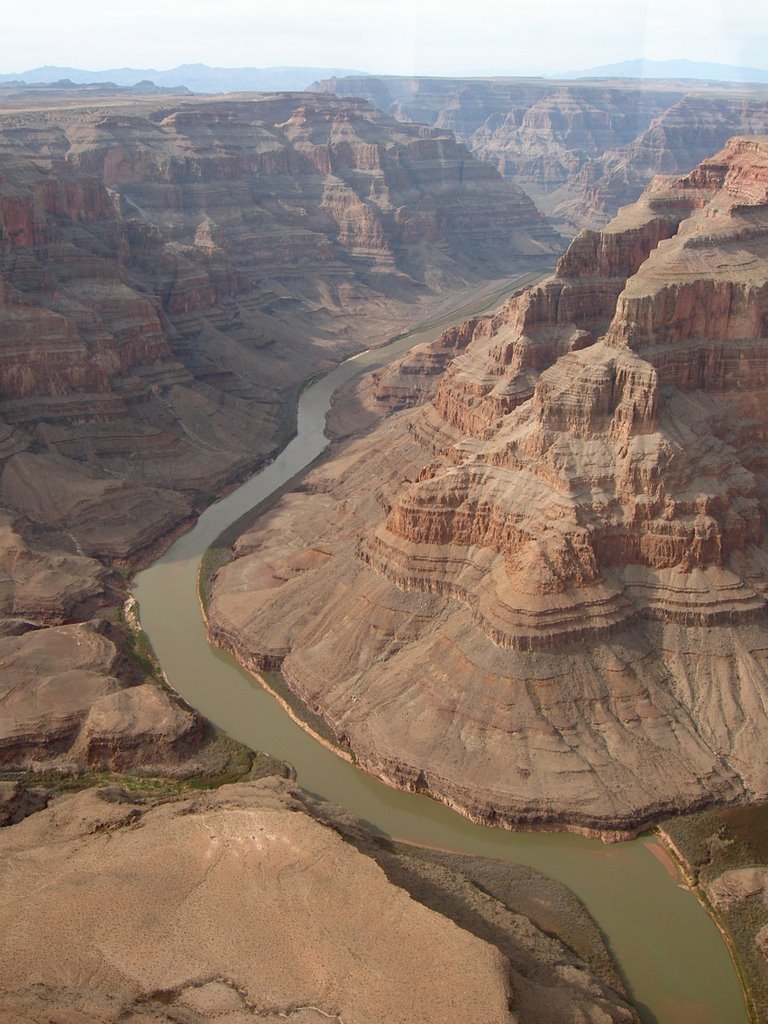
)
(678, 138)
(598, 116)
(552, 606)
(580, 149)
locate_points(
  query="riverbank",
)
(723, 856)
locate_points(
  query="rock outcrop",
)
(72, 699)
(41, 587)
(580, 149)
(677, 139)
(250, 908)
(550, 605)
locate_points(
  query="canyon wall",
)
(171, 271)
(168, 274)
(550, 607)
(581, 149)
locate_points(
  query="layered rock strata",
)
(71, 696)
(250, 908)
(171, 271)
(580, 149)
(170, 274)
(66, 705)
(550, 605)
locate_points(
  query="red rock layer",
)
(567, 415)
(171, 271)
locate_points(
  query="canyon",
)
(580, 149)
(551, 494)
(539, 594)
(171, 272)
(170, 276)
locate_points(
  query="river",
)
(670, 953)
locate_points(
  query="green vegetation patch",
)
(719, 840)
(135, 644)
(239, 765)
(59, 783)
(213, 559)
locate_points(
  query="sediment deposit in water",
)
(540, 596)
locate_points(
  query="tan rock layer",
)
(251, 903)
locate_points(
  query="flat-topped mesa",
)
(380, 184)
(604, 476)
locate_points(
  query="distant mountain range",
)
(197, 77)
(204, 79)
(673, 69)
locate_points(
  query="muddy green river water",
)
(672, 957)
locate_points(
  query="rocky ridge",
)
(551, 607)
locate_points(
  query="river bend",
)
(673, 959)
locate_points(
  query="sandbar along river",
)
(671, 955)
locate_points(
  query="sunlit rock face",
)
(171, 271)
(541, 594)
(254, 902)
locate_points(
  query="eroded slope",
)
(171, 271)
(170, 274)
(580, 149)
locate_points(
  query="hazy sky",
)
(397, 36)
